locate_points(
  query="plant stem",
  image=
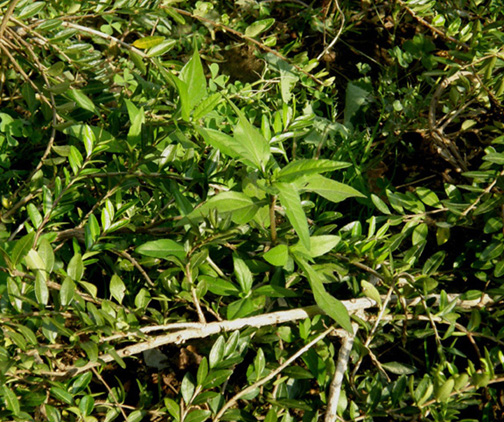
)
(273, 230)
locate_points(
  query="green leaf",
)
(81, 382)
(244, 307)
(288, 80)
(187, 388)
(216, 378)
(492, 251)
(137, 119)
(86, 405)
(202, 371)
(207, 105)
(41, 290)
(443, 392)
(256, 148)
(499, 269)
(277, 256)
(329, 304)
(220, 287)
(34, 214)
(82, 100)
(193, 77)
(91, 349)
(46, 253)
(217, 352)
(137, 416)
(428, 197)
(10, 399)
(291, 202)
(173, 408)
(306, 167)
(258, 27)
(75, 268)
(34, 261)
(329, 189)
(148, 42)
(240, 206)
(31, 9)
(319, 245)
(355, 98)
(21, 248)
(47, 200)
(243, 275)
(420, 234)
(380, 204)
(62, 395)
(117, 288)
(91, 231)
(297, 372)
(162, 248)
(398, 368)
(494, 157)
(197, 415)
(371, 292)
(75, 159)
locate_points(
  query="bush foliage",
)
(251, 210)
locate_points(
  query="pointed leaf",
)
(10, 399)
(277, 256)
(41, 290)
(256, 147)
(187, 388)
(217, 352)
(34, 214)
(291, 202)
(329, 189)
(241, 207)
(224, 143)
(162, 248)
(258, 27)
(117, 288)
(22, 247)
(75, 268)
(46, 253)
(193, 76)
(307, 167)
(148, 42)
(371, 292)
(67, 291)
(329, 304)
(319, 245)
(82, 100)
(243, 274)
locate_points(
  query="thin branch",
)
(431, 27)
(105, 37)
(135, 263)
(337, 381)
(485, 192)
(335, 39)
(272, 216)
(111, 393)
(7, 16)
(201, 315)
(199, 330)
(272, 374)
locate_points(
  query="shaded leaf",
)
(291, 202)
(329, 304)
